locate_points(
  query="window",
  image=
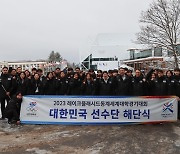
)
(104, 59)
(158, 52)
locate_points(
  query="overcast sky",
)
(31, 29)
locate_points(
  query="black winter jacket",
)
(6, 84)
(49, 87)
(12, 110)
(62, 86)
(161, 86)
(106, 88)
(138, 86)
(122, 86)
(88, 88)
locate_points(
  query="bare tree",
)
(161, 26)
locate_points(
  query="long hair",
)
(91, 78)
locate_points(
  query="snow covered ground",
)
(47, 139)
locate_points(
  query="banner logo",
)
(168, 107)
(32, 107)
(168, 110)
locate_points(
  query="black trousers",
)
(12, 114)
(3, 104)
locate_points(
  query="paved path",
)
(47, 139)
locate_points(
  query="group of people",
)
(122, 82)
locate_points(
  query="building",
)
(100, 63)
(25, 65)
(145, 59)
(28, 65)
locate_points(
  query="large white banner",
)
(97, 110)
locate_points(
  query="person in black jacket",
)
(27, 73)
(151, 84)
(110, 73)
(18, 70)
(13, 73)
(93, 74)
(70, 74)
(115, 73)
(62, 84)
(149, 74)
(35, 86)
(129, 74)
(14, 77)
(171, 83)
(75, 85)
(12, 111)
(97, 81)
(41, 76)
(49, 84)
(161, 84)
(88, 86)
(123, 83)
(6, 88)
(57, 72)
(106, 85)
(22, 83)
(82, 75)
(138, 84)
(33, 71)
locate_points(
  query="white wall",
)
(106, 65)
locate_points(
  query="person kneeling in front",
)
(12, 111)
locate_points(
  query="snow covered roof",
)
(144, 59)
